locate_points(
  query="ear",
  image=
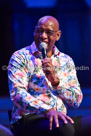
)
(58, 35)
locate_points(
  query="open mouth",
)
(43, 41)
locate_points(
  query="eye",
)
(49, 32)
(39, 31)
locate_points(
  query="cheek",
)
(52, 41)
(36, 41)
(35, 37)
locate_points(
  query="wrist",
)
(52, 109)
(55, 81)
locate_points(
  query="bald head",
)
(50, 20)
(47, 30)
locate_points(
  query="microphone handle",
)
(44, 54)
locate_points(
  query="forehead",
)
(45, 23)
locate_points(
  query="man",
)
(41, 88)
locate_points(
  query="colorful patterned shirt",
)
(30, 90)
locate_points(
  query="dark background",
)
(17, 21)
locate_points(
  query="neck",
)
(49, 54)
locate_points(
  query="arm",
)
(66, 85)
(67, 89)
(18, 77)
(70, 92)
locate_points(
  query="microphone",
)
(43, 47)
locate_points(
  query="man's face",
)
(46, 31)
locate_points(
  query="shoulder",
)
(65, 58)
(21, 57)
(22, 53)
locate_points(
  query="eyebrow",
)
(47, 28)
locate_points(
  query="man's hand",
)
(55, 115)
(49, 71)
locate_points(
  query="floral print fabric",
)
(30, 90)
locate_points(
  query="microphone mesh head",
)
(43, 45)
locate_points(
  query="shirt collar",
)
(37, 53)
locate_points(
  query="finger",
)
(47, 65)
(56, 121)
(70, 119)
(63, 118)
(50, 122)
(46, 60)
(47, 68)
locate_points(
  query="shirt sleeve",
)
(70, 91)
(18, 79)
